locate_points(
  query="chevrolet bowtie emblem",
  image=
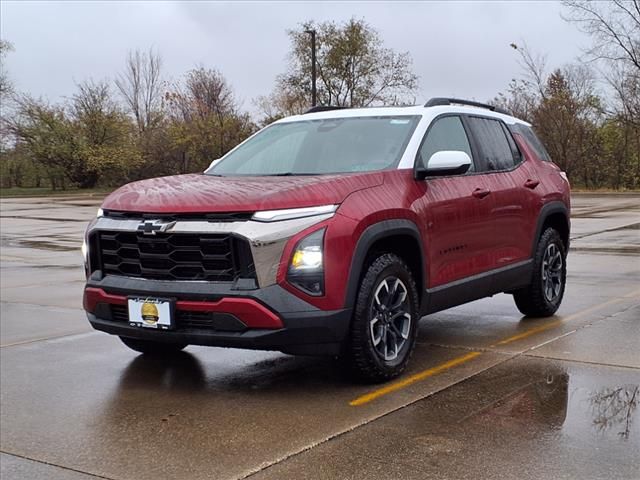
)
(151, 227)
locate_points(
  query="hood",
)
(199, 193)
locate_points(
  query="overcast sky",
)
(458, 48)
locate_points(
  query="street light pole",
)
(314, 98)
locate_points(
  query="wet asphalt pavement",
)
(488, 394)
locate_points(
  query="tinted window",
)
(533, 140)
(447, 133)
(335, 145)
(512, 144)
(494, 146)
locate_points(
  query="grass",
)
(48, 192)
(604, 190)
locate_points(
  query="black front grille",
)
(209, 217)
(175, 256)
(119, 313)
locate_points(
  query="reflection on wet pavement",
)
(56, 246)
(180, 372)
(541, 400)
(549, 398)
(613, 409)
(541, 419)
(549, 395)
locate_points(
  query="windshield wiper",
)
(288, 174)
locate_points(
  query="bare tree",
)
(5, 84)
(6, 89)
(615, 30)
(534, 66)
(141, 87)
(205, 118)
(614, 27)
(613, 407)
(282, 102)
(565, 110)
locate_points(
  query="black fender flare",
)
(545, 212)
(373, 233)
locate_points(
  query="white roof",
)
(396, 111)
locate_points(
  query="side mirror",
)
(445, 162)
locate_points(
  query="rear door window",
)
(496, 153)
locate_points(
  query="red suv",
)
(333, 233)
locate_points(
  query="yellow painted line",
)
(633, 294)
(555, 323)
(528, 333)
(392, 387)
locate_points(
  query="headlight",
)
(307, 258)
(85, 251)
(291, 213)
(100, 213)
(306, 268)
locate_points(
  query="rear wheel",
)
(542, 297)
(384, 326)
(152, 348)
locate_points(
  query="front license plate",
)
(151, 313)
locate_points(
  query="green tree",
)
(614, 29)
(107, 137)
(354, 69)
(567, 119)
(51, 139)
(565, 111)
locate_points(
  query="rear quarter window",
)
(532, 139)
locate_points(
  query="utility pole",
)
(314, 98)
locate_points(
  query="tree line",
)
(109, 133)
(594, 137)
(140, 124)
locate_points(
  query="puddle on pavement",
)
(44, 245)
(621, 250)
(601, 212)
(582, 404)
(56, 267)
(46, 219)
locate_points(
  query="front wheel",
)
(384, 326)
(542, 297)
(152, 348)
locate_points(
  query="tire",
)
(378, 324)
(543, 296)
(152, 348)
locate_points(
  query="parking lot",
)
(488, 394)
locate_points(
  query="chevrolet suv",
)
(334, 232)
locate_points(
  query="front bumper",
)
(271, 318)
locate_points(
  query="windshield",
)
(311, 147)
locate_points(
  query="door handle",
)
(481, 192)
(531, 183)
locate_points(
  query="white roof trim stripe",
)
(397, 111)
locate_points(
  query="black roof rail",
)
(323, 108)
(440, 101)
